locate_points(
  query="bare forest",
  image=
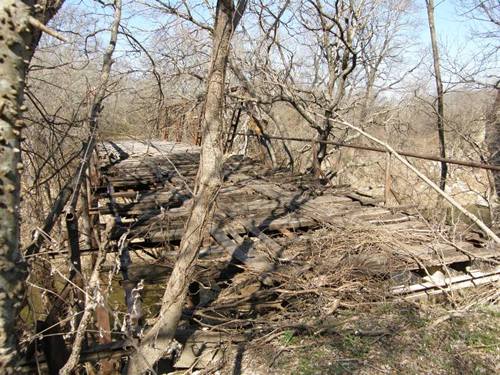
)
(249, 187)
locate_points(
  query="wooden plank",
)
(245, 254)
(447, 284)
(174, 219)
(318, 211)
(446, 281)
(148, 207)
(290, 222)
(307, 207)
(272, 245)
(268, 242)
(392, 219)
(227, 243)
(331, 199)
(413, 257)
(249, 226)
(406, 226)
(287, 233)
(368, 213)
(363, 199)
(440, 253)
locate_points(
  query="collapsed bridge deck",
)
(147, 187)
(279, 247)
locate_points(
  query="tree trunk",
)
(440, 92)
(157, 340)
(493, 142)
(17, 45)
(15, 38)
(319, 148)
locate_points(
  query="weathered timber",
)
(244, 252)
(437, 285)
(414, 257)
(254, 206)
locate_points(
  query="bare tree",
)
(18, 39)
(381, 52)
(157, 340)
(336, 28)
(93, 291)
(13, 18)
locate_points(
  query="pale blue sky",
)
(454, 30)
(448, 22)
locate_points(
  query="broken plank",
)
(245, 253)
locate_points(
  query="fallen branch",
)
(424, 178)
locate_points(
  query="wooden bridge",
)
(145, 190)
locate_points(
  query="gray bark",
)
(17, 45)
(339, 69)
(157, 340)
(15, 38)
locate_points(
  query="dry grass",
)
(328, 309)
(338, 317)
(387, 338)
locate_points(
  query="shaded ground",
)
(323, 315)
(381, 339)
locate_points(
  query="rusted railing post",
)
(73, 241)
(235, 119)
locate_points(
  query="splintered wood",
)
(262, 214)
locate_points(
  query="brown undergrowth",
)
(385, 338)
(328, 309)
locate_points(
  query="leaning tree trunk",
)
(157, 340)
(440, 93)
(15, 38)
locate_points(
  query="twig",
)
(47, 30)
